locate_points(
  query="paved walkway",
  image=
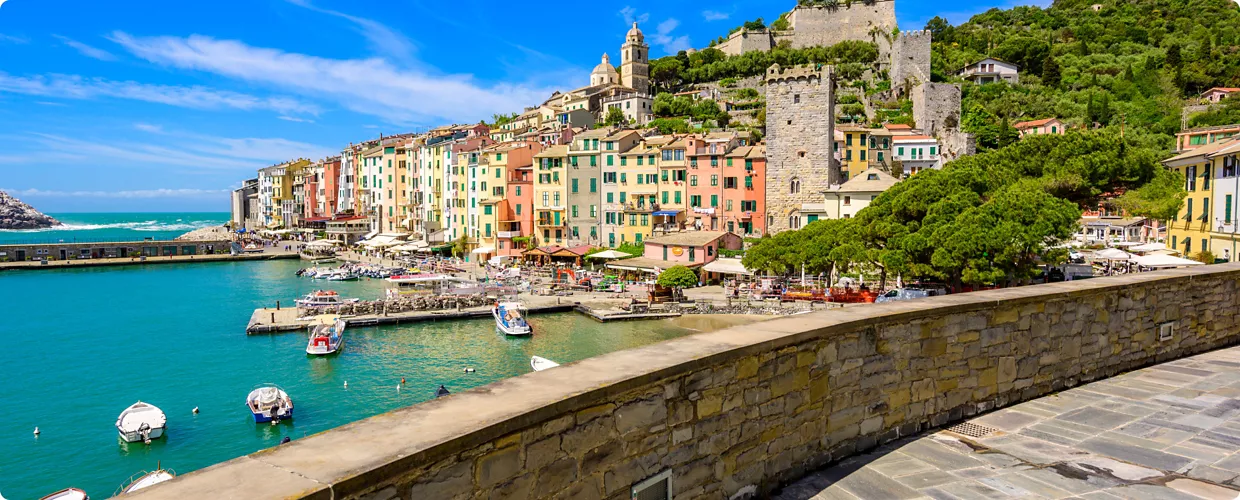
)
(1170, 431)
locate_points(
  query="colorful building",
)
(1190, 231)
(550, 196)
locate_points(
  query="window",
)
(728, 205)
(1205, 179)
(795, 187)
(695, 201)
(593, 185)
(692, 256)
(676, 195)
(665, 197)
(714, 200)
(729, 162)
(796, 98)
(610, 159)
(593, 212)
(692, 180)
(847, 201)
(624, 161)
(880, 156)
(1190, 175)
(729, 183)
(518, 190)
(518, 209)
(1227, 207)
(639, 160)
(714, 180)
(574, 211)
(1188, 216)
(624, 178)
(487, 209)
(611, 197)
(574, 182)
(900, 151)
(749, 205)
(609, 177)
(593, 161)
(546, 199)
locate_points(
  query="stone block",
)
(543, 452)
(583, 438)
(641, 415)
(518, 488)
(710, 405)
(556, 476)
(602, 458)
(498, 466)
(594, 412)
(747, 368)
(450, 482)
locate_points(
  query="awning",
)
(667, 213)
(1149, 247)
(727, 266)
(1111, 254)
(483, 250)
(1162, 261)
(370, 235)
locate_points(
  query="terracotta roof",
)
(897, 126)
(904, 138)
(1222, 89)
(1034, 123)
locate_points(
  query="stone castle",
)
(800, 127)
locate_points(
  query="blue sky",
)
(138, 105)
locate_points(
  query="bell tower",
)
(635, 61)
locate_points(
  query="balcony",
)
(509, 234)
(641, 208)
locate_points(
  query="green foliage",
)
(988, 218)
(711, 64)
(782, 23)
(678, 277)
(755, 25)
(615, 116)
(1132, 62)
(669, 125)
(502, 119)
(1160, 198)
(1227, 113)
(460, 247)
(668, 106)
(1204, 257)
(745, 93)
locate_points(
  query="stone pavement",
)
(1170, 431)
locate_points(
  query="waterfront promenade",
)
(269, 254)
(1169, 431)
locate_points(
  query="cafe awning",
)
(483, 250)
(727, 266)
(667, 213)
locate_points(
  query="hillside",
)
(1131, 63)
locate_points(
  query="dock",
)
(273, 320)
(138, 261)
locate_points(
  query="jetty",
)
(143, 261)
(287, 319)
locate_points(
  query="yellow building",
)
(672, 178)
(285, 211)
(1190, 232)
(550, 196)
(641, 166)
(854, 157)
(616, 183)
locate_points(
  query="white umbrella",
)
(1149, 247)
(1112, 254)
(1160, 261)
(609, 254)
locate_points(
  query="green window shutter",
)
(677, 196)
(664, 176)
(639, 179)
(1227, 207)
(624, 161)
(611, 160)
(714, 200)
(593, 161)
(748, 181)
(574, 185)
(593, 185)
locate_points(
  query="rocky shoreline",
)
(213, 233)
(14, 214)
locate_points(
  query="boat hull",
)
(262, 418)
(325, 350)
(136, 437)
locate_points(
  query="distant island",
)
(14, 214)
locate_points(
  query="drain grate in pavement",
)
(972, 430)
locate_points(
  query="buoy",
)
(346, 384)
(195, 410)
(397, 388)
(36, 431)
(402, 381)
(469, 370)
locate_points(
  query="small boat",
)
(141, 422)
(441, 391)
(318, 259)
(269, 403)
(67, 494)
(146, 479)
(323, 298)
(340, 275)
(326, 335)
(540, 363)
(509, 320)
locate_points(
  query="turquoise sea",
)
(83, 344)
(108, 227)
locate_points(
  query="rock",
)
(213, 233)
(17, 215)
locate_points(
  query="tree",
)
(678, 278)
(460, 247)
(1050, 72)
(1204, 257)
(940, 30)
(615, 117)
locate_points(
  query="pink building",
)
(690, 248)
(1217, 94)
(329, 184)
(1051, 126)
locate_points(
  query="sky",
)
(139, 105)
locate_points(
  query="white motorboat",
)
(510, 320)
(540, 363)
(269, 403)
(146, 479)
(326, 335)
(67, 494)
(323, 298)
(141, 422)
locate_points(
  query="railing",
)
(509, 234)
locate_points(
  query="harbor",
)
(189, 352)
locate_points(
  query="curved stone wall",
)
(736, 413)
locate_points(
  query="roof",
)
(689, 238)
(1201, 152)
(1034, 123)
(1222, 89)
(646, 264)
(740, 152)
(553, 152)
(984, 60)
(862, 183)
(1113, 221)
(620, 134)
(597, 133)
(897, 126)
(907, 138)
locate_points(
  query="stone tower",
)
(800, 126)
(910, 60)
(604, 73)
(635, 61)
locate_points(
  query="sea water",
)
(80, 345)
(112, 227)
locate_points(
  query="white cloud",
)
(664, 37)
(139, 193)
(86, 50)
(294, 119)
(146, 127)
(383, 40)
(370, 86)
(77, 87)
(13, 39)
(631, 16)
(714, 15)
(268, 150)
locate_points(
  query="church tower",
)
(635, 61)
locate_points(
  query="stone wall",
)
(936, 110)
(77, 251)
(858, 20)
(910, 59)
(747, 41)
(800, 124)
(738, 412)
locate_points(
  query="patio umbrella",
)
(1149, 247)
(1112, 254)
(609, 254)
(1163, 261)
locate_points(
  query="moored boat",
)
(323, 298)
(509, 319)
(144, 479)
(141, 422)
(67, 494)
(540, 363)
(326, 335)
(318, 259)
(269, 403)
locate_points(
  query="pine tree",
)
(1050, 72)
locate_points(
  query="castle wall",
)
(800, 124)
(747, 41)
(910, 59)
(824, 26)
(936, 110)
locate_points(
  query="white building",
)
(845, 200)
(990, 70)
(916, 153)
(345, 185)
(266, 194)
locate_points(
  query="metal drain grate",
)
(972, 430)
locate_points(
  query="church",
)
(626, 89)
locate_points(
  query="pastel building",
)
(692, 249)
